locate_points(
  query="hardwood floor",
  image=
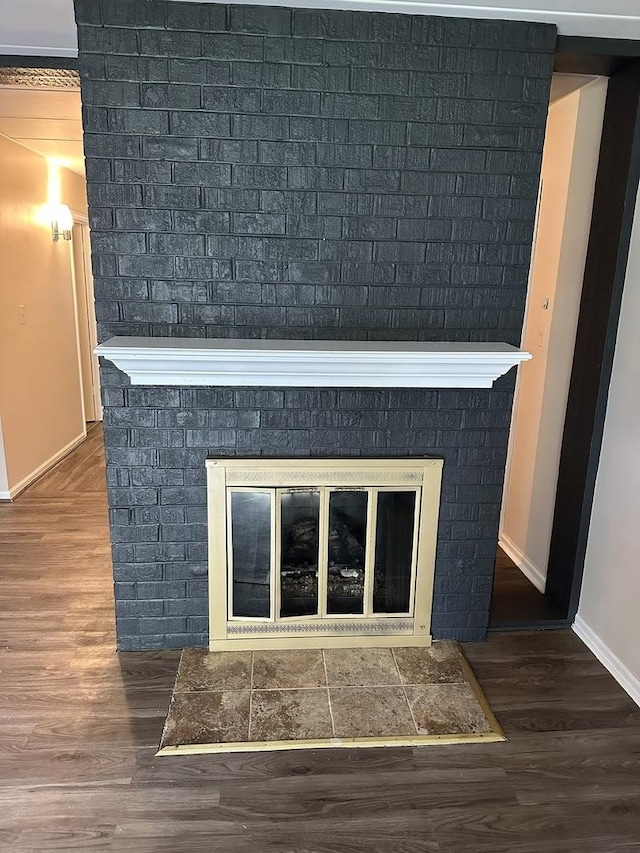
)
(79, 727)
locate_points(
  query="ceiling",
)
(47, 120)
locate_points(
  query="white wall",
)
(47, 27)
(609, 611)
(40, 389)
(568, 179)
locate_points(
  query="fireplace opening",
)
(326, 548)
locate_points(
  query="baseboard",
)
(19, 487)
(527, 568)
(622, 674)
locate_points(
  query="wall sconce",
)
(61, 222)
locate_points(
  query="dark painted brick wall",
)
(265, 172)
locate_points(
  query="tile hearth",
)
(228, 701)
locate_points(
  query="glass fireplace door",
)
(308, 552)
(322, 553)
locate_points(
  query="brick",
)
(229, 150)
(397, 250)
(165, 43)
(437, 134)
(201, 222)
(320, 78)
(225, 99)
(145, 265)
(106, 145)
(369, 227)
(171, 95)
(170, 147)
(380, 81)
(148, 312)
(202, 268)
(260, 127)
(176, 197)
(112, 92)
(263, 177)
(288, 153)
(176, 244)
(371, 180)
(201, 70)
(425, 229)
(107, 40)
(313, 272)
(290, 103)
(232, 46)
(329, 154)
(349, 106)
(293, 50)
(194, 17)
(268, 271)
(323, 130)
(462, 110)
(264, 74)
(268, 21)
(336, 250)
(356, 53)
(302, 177)
(300, 225)
(143, 171)
(231, 199)
(521, 114)
(258, 223)
(345, 203)
(200, 124)
(202, 174)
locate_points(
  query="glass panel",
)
(347, 533)
(300, 516)
(251, 546)
(394, 552)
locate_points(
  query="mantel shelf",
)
(310, 364)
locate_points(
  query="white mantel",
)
(310, 364)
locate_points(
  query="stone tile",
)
(273, 670)
(441, 709)
(290, 715)
(360, 667)
(215, 717)
(203, 670)
(440, 663)
(370, 712)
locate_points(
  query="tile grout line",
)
(250, 700)
(326, 680)
(404, 690)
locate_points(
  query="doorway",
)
(569, 168)
(47, 335)
(560, 405)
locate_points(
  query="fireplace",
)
(270, 175)
(321, 552)
(318, 551)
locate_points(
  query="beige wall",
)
(608, 615)
(40, 392)
(568, 177)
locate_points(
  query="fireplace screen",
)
(345, 552)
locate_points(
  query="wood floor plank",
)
(80, 724)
